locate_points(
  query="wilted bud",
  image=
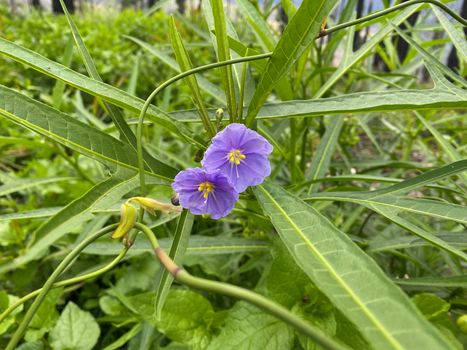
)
(128, 215)
(198, 156)
(151, 205)
(175, 199)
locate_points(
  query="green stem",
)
(139, 129)
(49, 283)
(381, 13)
(258, 300)
(64, 283)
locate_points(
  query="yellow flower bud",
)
(128, 215)
(462, 323)
(151, 205)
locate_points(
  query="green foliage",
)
(359, 230)
(75, 329)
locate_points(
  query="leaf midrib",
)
(336, 276)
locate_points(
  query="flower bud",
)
(128, 215)
(462, 323)
(151, 205)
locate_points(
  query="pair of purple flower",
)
(236, 159)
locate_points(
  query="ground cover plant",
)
(222, 180)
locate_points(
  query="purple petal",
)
(252, 169)
(219, 202)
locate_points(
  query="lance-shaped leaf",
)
(93, 87)
(72, 133)
(355, 103)
(350, 279)
(297, 38)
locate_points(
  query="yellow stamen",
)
(235, 156)
(206, 187)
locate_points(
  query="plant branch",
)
(139, 129)
(382, 13)
(67, 282)
(256, 299)
(49, 284)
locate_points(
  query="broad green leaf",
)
(246, 328)
(176, 253)
(24, 184)
(93, 87)
(351, 279)
(210, 88)
(356, 103)
(76, 329)
(185, 64)
(186, 317)
(198, 245)
(223, 54)
(455, 34)
(72, 133)
(296, 39)
(322, 157)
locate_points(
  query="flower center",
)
(206, 188)
(235, 156)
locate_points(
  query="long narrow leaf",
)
(298, 36)
(70, 132)
(350, 278)
(355, 103)
(93, 87)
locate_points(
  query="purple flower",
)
(205, 192)
(241, 154)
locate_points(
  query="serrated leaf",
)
(248, 328)
(76, 329)
(299, 34)
(348, 277)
